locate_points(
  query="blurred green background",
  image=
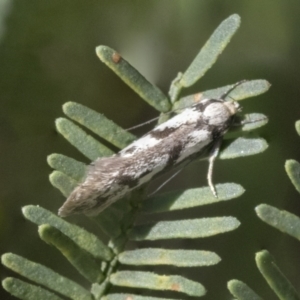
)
(47, 57)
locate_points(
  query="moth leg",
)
(212, 157)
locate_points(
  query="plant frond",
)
(100, 263)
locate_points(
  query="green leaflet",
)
(280, 219)
(26, 291)
(83, 261)
(86, 144)
(257, 120)
(67, 165)
(80, 236)
(138, 279)
(191, 198)
(188, 229)
(275, 278)
(99, 124)
(241, 291)
(210, 51)
(62, 182)
(45, 276)
(292, 167)
(247, 89)
(147, 91)
(179, 258)
(242, 146)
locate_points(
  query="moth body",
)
(179, 139)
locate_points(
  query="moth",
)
(195, 131)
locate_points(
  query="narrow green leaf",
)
(62, 182)
(280, 219)
(80, 236)
(186, 229)
(247, 89)
(297, 125)
(26, 291)
(45, 276)
(292, 167)
(242, 146)
(132, 297)
(154, 281)
(179, 258)
(86, 144)
(275, 278)
(147, 91)
(175, 88)
(211, 50)
(99, 124)
(255, 120)
(191, 198)
(241, 291)
(67, 165)
(83, 261)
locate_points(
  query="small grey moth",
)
(181, 139)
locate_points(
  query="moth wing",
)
(95, 188)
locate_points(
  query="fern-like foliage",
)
(100, 263)
(285, 222)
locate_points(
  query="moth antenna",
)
(152, 120)
(224, 95)
(163, 184)
(142, 124)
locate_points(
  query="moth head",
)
(233, 107)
